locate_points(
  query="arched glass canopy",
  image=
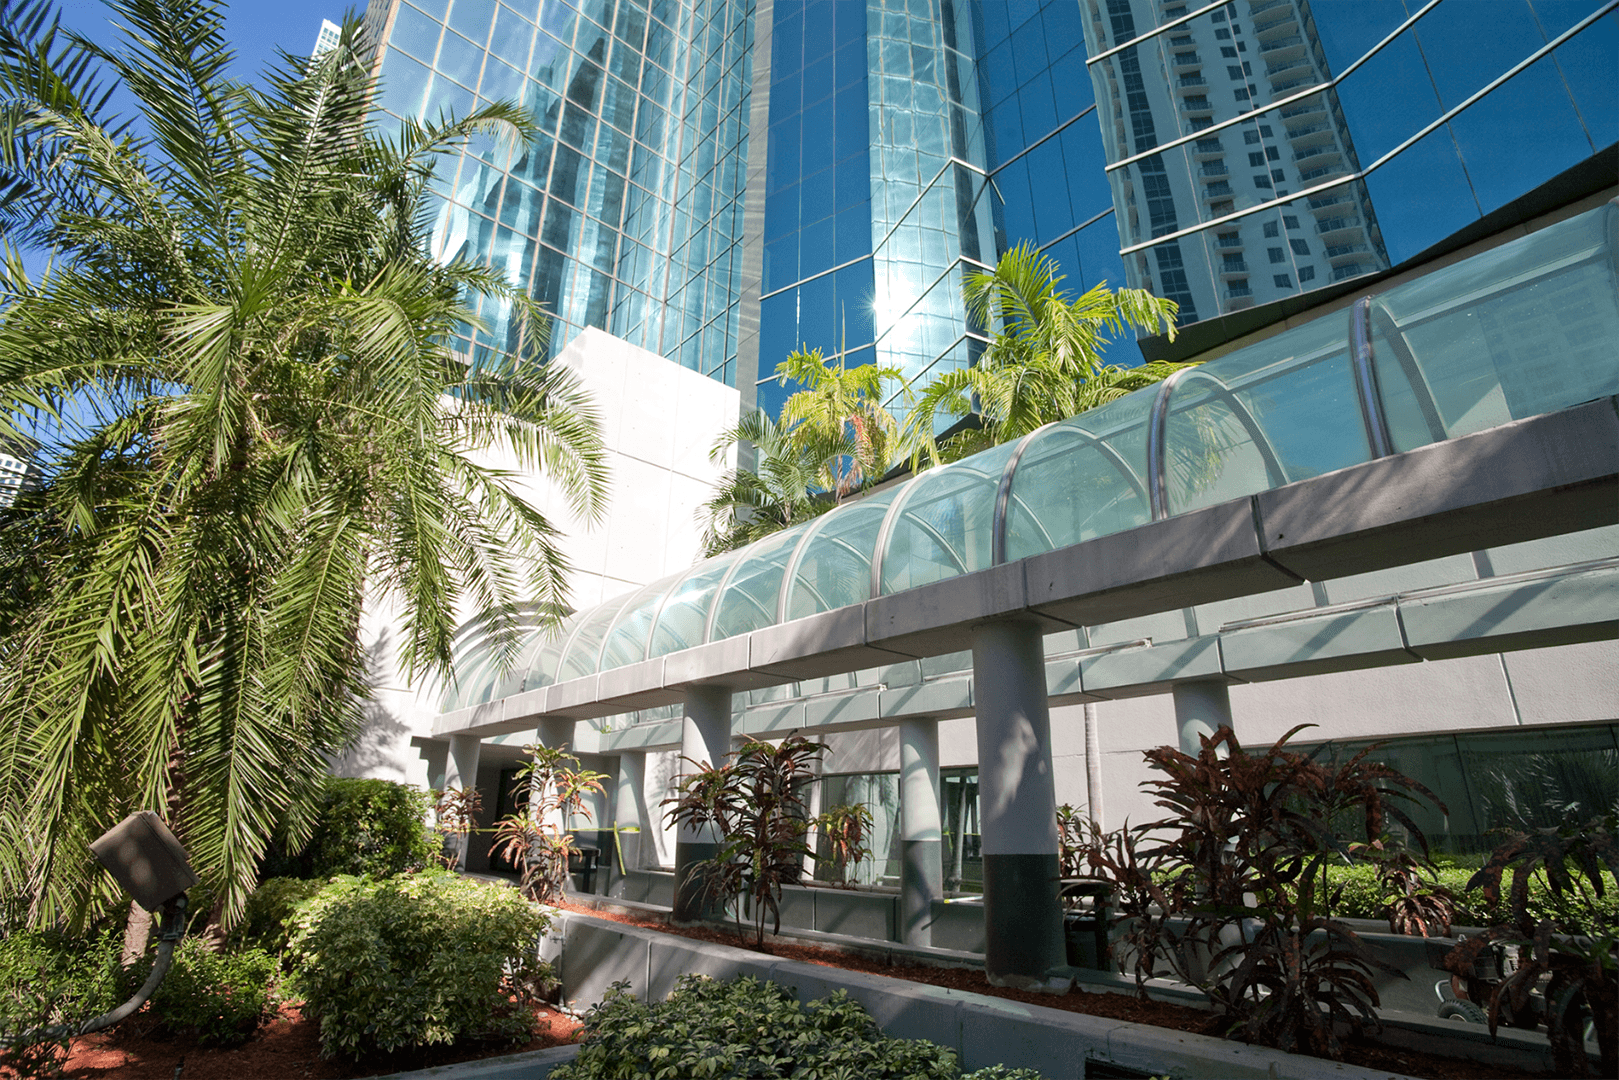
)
(1526, 328)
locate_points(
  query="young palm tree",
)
(839, 401)
(1043, 364)
(779, 491)
(258, 426)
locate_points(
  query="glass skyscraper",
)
(724, 181)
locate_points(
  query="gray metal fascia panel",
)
(936, 699)
(827, 643)
(661, 735)
(1194, 558)
(1514, 615)
(578, 699)
(1532, 478)
(939, 617)
(1150, 669)
(636, 686)
(530, 704)
(451, 722)
(776, 718)
(1361, 637)
(841, 710)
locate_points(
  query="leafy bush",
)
(417, 959)
(267, 922)
(48, 978)
(744, 1028)
(374, 827)
(219, 997)
(1362, 899)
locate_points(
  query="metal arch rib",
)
(1003, 498)
(1156, 459)
(663, 602)
(1379, 320)
(1366, 390)
(796, 559)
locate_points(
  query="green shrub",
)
(417, 959)
(267, 921)
(47, 978)
(1361, 898)
(373, 827)
(744, 1028)
(218, 997)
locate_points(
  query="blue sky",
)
(255, 27)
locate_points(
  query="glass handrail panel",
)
(945, 524)
(1281, 410)
(749, 599)
(835, 567)
(1526, 328)
(1081, 478)
(584, 651)
(684, 618)
(626, 641)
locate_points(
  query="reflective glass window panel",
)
(1282, 410)
(944, 524)
(1532, 109)
(1082, 478)
(1526, 328)
(626, 641)
(749, 601)
(684, 618)
(415, 33)
(584, 651)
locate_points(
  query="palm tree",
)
(259, 425)
(839, 401)
(1043, 364)
(779, 491)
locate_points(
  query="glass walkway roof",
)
(1526, 328)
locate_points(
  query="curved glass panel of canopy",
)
(547, 662)
(627, 640)
(750, 597)
(944, 524)
(1272, 413)
(1526, 328)
(1081, 478)
(834, 561)
(684, 619)
(583, 656)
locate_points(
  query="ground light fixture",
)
(143, 856)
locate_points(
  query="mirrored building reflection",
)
(725, 181)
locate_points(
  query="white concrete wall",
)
(658, 422)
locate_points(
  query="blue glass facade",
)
(1261, 149)
(625, 214)
(1226, 155)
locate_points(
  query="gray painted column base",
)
(690, 903)
(921, 883)
(1023, 924)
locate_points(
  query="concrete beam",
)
(1550, 474)
(829, 643)
(1196, 558)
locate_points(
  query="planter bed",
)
(587, 969)
(285, 1046)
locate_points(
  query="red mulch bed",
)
(286, 1047)
(1163, 1014)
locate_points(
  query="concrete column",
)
(461, 771)
(1200, 709)
(705, 736)
(921, 872)
(1018, 809)
(628, 813)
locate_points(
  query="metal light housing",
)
(146, 859)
